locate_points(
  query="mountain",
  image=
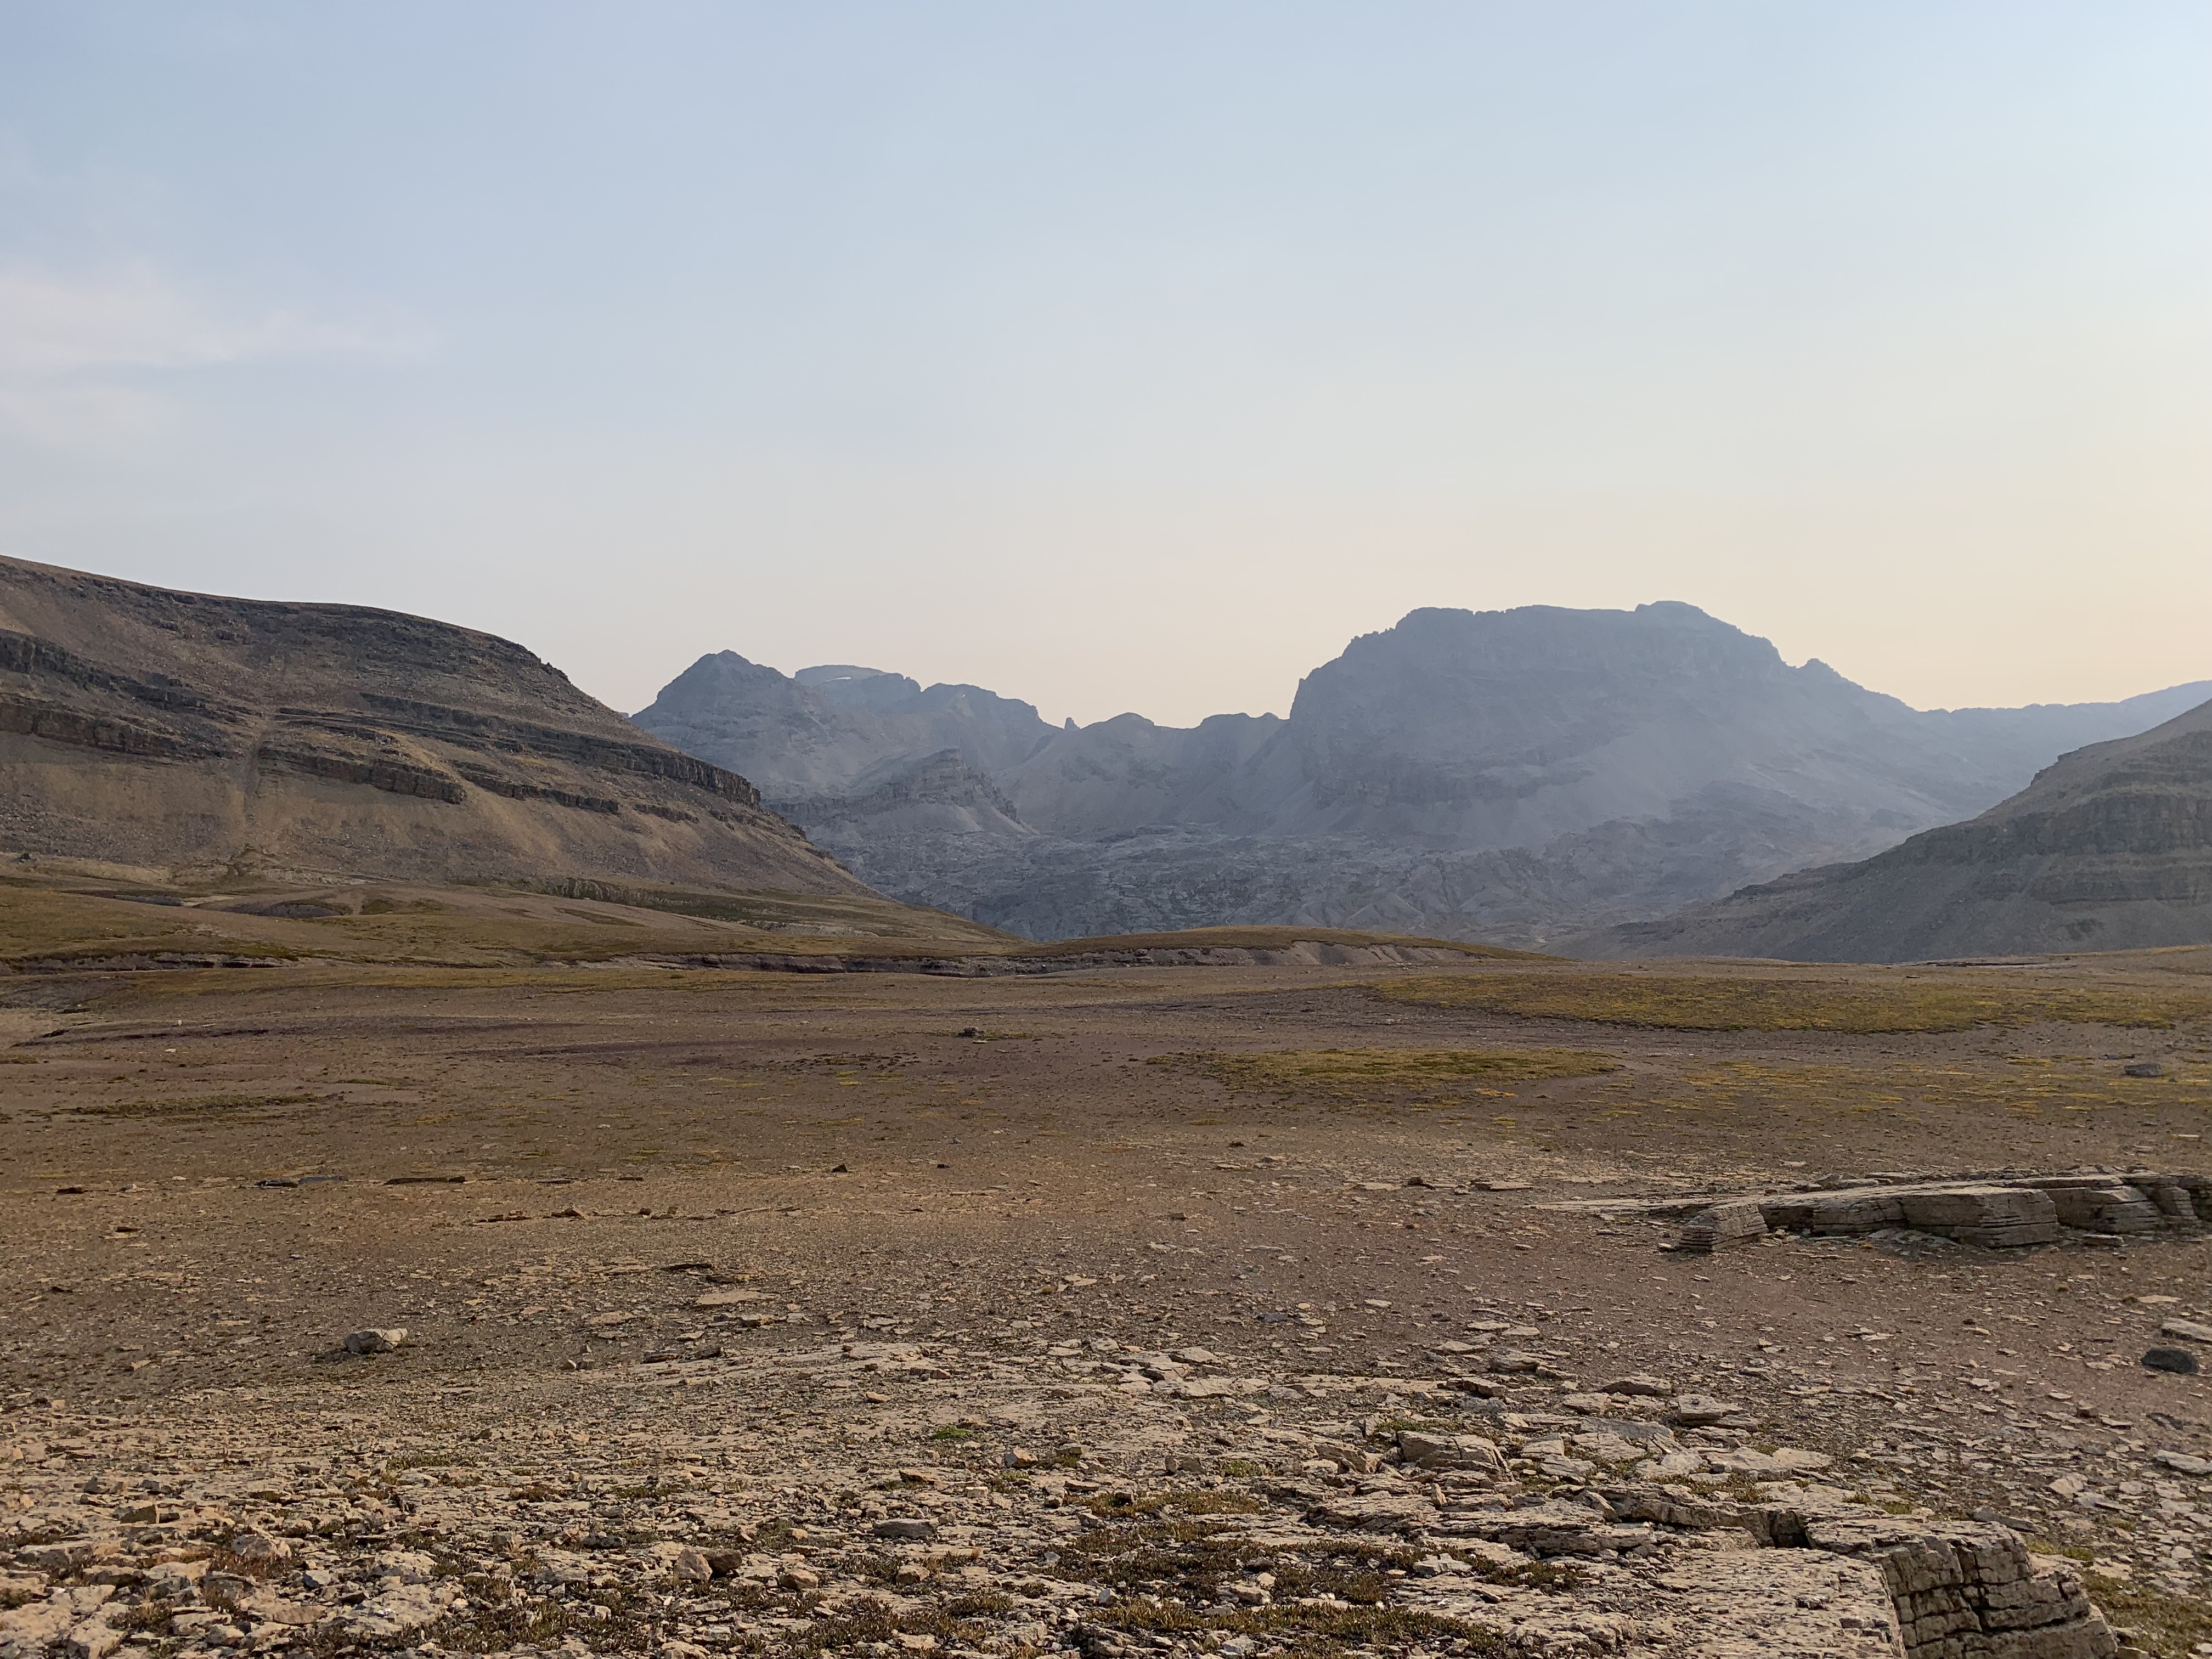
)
(818, 731)
(147, 727)
(2109, 848)
(1514, 775)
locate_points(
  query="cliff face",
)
(2109, 848)
(153, 728)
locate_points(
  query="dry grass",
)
(66, 922)
(2025, 1087)
(1873, 1004)
(205, 1106)
(1266, 938)
(2171, 1624)
(1398, 1077)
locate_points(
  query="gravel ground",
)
(748, 1312)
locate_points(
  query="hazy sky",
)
(1125, 356)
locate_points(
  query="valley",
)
(771, 1312)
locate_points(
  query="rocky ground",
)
(751, 1313)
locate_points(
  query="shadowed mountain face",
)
(2111, 848)
(156, 728)
(1513, 775)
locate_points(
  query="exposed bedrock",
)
(2010, 1213)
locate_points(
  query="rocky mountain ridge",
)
(1518, 776)
(157, 728)
(2109, 848)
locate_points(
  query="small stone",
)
(906, 1528)
(254, 1545)
(2187, 1329)
(2143, 1068)
(713, 1299)
(1637, 1383)
(2182, 1462)
(2180, 1361)
(407, 1566)
(1739, 1221)
(392, 1612)
(1796, 1459)
(376, 1341)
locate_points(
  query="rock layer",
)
(2008, 1213)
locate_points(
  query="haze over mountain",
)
(1512, 776)
(2109, 848)
(149, 727)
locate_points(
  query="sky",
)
(1124, 356)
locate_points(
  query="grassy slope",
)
(1858, 1000)
(65, 915)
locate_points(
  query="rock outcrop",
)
(149, 727)
(2110, 849)
(1994, 1212)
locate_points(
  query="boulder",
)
(1995, 1216)
(1739, 1221)
(2108, 1206)
(1843, 1213)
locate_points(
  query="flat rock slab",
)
(1383, 1512)
(1767, 1604)
(1546, 1529)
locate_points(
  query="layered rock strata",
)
(145, 727)
(2010, 1213)
(2109, 848)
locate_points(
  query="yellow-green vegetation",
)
(1309, 1628)
(816, 919)
(1876, 1003)
(59, 917)
(1324, 1605)
(2024, 1085)
(1403, 1077)
(2171, 1625)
